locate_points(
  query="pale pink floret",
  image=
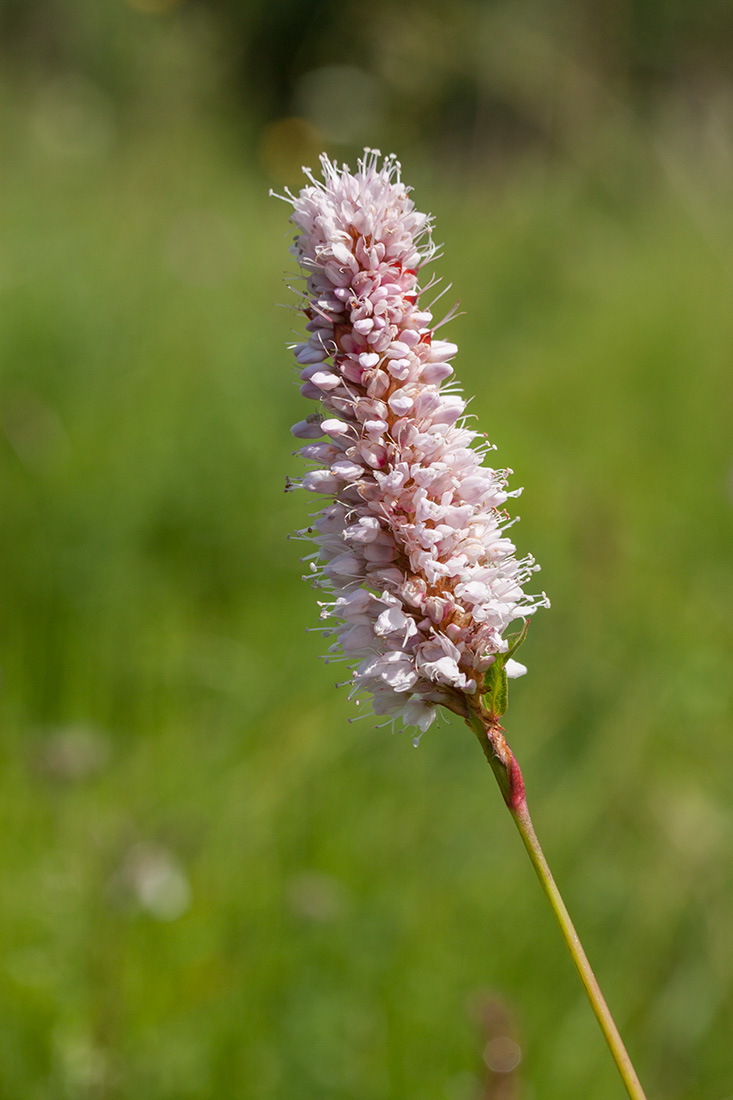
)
(411, 545)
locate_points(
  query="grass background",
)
(213, 884)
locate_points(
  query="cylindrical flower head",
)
(411, 541)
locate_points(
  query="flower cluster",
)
(411, 541)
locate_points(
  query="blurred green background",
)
(213, 884)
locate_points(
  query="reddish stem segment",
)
(509, 777)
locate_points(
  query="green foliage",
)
(214, 885)
(494, 80)
(496, 688)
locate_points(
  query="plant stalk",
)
(509, 777)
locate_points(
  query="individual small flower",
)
(411, 542)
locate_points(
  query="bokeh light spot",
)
(154, 880)
(72, 119)
(502, 1055)
(344, 102)
(288, 144)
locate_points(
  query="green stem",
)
(508, 775)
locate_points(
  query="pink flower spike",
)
(411, 542)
